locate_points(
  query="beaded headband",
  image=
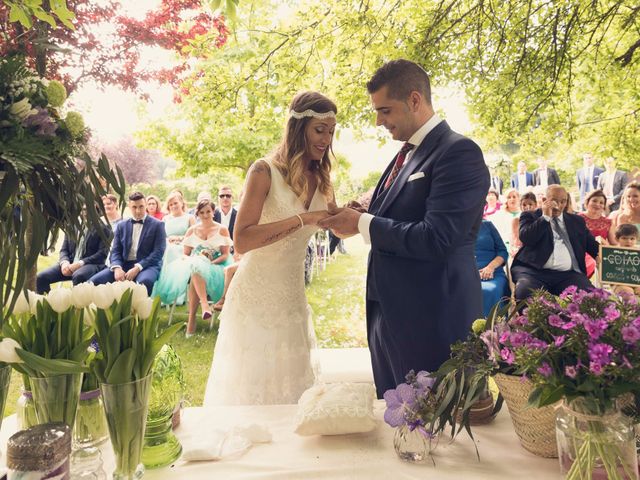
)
(312, 113)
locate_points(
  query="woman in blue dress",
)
(176, 224)
(199, 271)
(491, 256)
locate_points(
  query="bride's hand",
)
(312, 218)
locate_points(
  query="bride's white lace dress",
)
(263, 351)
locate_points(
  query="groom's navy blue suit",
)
(423, 286)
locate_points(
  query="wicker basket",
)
(480, 412)
(535, 427)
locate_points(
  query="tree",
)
(137, 165)
(541, 78)
(80, 53)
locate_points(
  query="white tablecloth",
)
(367, 456)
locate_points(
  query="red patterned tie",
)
(402, 154)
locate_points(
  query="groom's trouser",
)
(389, 369)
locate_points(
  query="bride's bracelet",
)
(301, 222)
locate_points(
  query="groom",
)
(423, 287)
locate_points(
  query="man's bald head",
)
(558, 197)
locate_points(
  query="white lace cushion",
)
(336, 409)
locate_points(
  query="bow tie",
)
(137, 221)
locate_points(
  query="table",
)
(368, 456)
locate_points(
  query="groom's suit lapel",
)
(420, 156)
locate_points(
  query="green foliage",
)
(46, 176)
(540, 78)
(26, 11)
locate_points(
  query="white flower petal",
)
(59, 299)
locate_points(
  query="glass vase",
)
(26, 411)
(595, 443)
(161, 447)
(56, 397)
(5, 378)
(413, 445)
(89, 432)
(125, 406)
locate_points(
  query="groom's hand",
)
(343, 223)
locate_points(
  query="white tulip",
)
(59, 299)
(34, 299)
(139, 293)
(103, 296)
(22, 305)
(119, 288)
(90, 316)
(8, 351)
(82, 295)
(143, 308)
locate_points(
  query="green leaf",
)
(17, 14)
(122, 367)
(49, 366)
(44, 16)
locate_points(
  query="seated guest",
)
(492, 205)
(153, 207)
(554, 243)
(594, 216)
(627, 235)
(629, 209)
(203, 195)
(77, 263)
(225, 214)
(201, 269)
(176, 223)
(491, 256)
(137, 249)
(528, 203)
(503, 218)
(110, 202)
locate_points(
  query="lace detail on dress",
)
(262, 355)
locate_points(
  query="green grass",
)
(336, 296)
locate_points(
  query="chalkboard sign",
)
(619, 266)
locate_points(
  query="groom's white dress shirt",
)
(416, 139)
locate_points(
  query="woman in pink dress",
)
(492, 205)
(598, 224)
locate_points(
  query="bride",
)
(262, 355)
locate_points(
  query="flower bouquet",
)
(583, 347)
(50, 348)
(411, 409)
(126, 325)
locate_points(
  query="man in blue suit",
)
(78, 261)
(587, 177)
(522, 179)
(423, 287)
(137, 249)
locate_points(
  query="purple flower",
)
(555, 321)
(630, 334)
(424, 381)
(573, 308)
(569, 325)
(599, 353)
(559, 340)
(567, 292)
(570, 371)
(518, 339)
(536, 344)
(490, 339)
(636, 322)
(45, 125)
(504, 337)
(595, 328)
(611, 313)
(595, 368)
(507, 355)
(400, 400)
(520, 321)
(545, 370)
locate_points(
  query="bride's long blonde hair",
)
(287, 157)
